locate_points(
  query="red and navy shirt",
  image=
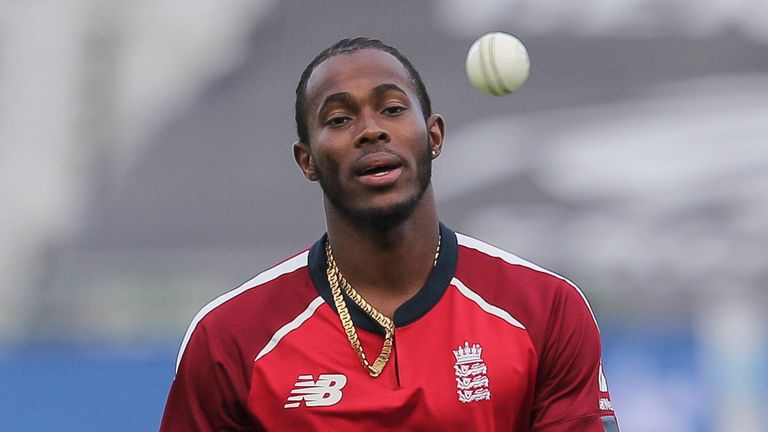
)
(490, 343)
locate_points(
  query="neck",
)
(386, 267)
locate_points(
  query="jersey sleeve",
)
(571, 391)
(204, 395)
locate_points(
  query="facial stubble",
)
(379, 219)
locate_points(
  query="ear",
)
(436, 132)
(302, 154)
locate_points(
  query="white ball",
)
(498, 63)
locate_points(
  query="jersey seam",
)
(226, 297)
(517, 323)
(568, 420)
(292, 325)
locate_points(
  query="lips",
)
(378, 169)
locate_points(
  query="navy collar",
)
(410, 311)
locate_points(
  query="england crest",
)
(472, 383)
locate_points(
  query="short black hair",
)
(348, 46)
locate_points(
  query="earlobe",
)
(302, 154)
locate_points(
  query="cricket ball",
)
(498, 63)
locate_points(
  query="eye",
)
(394, 109)
(337, 121)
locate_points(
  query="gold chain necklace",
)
(339, 283)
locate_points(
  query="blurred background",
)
(145, 168)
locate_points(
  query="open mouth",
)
(377, 171)
(378, 168)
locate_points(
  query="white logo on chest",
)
(471, 374)
(326, 391)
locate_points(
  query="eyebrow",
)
(346, 98)
(340, 98)
(386, 87)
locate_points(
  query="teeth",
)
(377, 172)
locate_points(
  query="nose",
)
(372, 133)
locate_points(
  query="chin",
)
(382, 217)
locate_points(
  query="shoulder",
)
(476, 256)
(570, 385)
(535, 296)
(246, 317)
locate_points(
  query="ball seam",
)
(495, 68)
(485, 67)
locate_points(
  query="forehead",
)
(359, 71)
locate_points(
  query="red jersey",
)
(490, 343)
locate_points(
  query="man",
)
(391, 320)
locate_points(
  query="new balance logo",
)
(326, 391)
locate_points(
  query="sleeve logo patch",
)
(601, 379)
(326, 391)
(605, 404)
(472, 383)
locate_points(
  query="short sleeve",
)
(571, 390)
(204, 395)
